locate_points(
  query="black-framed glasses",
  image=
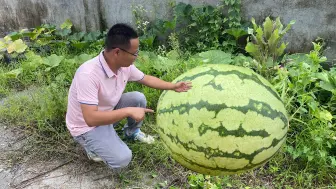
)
(134, 54)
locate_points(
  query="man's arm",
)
(157, 83)
(93, 117)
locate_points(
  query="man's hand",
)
(182, 86)
(138, 114)
(157, 83)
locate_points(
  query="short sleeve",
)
(135, 74)
(87, 89)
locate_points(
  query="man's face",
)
(128, 56)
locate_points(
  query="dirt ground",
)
(29, 174)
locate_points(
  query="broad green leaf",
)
(7, 39)
(63, 32)
(313, 105)
(77, 36)
(333, 161)
(268, 28)
(305, 149)
(310, 157)
(278, 24)
(61, 42)
(236, 33)
(81, 44)
(329, 145)
(15, 35)
(273, 40)
(290, 149)
(37, 32)
(43, 41)
(14, 73)
(193, 24)
(67, 24)
(281, 49)
(170, 24)
(50, 27)
(24, 30)
(255, 27)
(327, 86)
(216, 57)
(83, 58)
(296, 154)
(173, 54)
(323, 76)
(287, 28)
(323, 59)
(52, 61)
(17, 46)
(164, 63)
(147, 40)
(252, 49)
(323, 153)
(299, 57)
(182, 9)
(317, 46)
(325, 115)
(269, 62)
(28, 34)
(260, 36)
(99, 42)
(92, 36)
(303, 110)
(250, 31)
(34, 60)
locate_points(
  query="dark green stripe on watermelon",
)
(239, 74)
(248, 167)
(213, 85)
(240, 132)
(210, 152)
(265, 111)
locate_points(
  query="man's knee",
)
(120, 160)
(140, 98)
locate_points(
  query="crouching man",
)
(97, 102)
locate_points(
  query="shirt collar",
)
(109, 73)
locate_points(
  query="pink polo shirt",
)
(95, 83)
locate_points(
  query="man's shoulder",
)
(89, 67)
(129, 68)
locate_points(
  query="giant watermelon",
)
(231, 121)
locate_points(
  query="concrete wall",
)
(313, 18)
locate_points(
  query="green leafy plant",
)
(215, 57)
(11, 47)
(233, 12)
(266, 42)
(200, 181)
(308, 92)
(198, 28)
(202, 27)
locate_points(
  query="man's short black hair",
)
(119, 36)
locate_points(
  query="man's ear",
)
(117, 51)
(114, 52)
